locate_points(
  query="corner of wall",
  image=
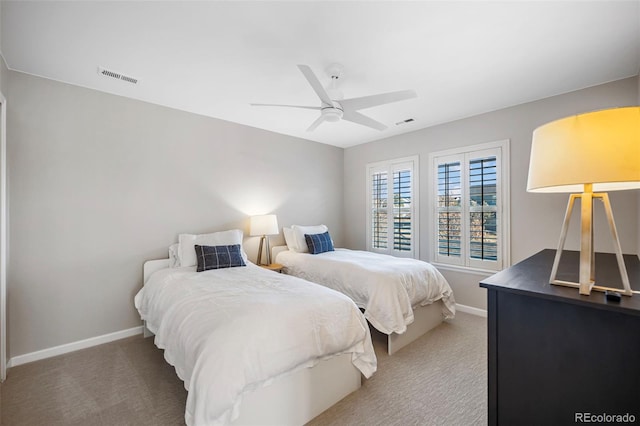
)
(4, 74)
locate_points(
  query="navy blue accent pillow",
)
(217, 257)
(319, 243)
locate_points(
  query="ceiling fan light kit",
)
(332, 114)
(333, 108)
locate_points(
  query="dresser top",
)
(531, 277)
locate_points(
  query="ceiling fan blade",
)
(290, 106)
(315, 123)
(315, 83)
(356, 117)
(375, 100)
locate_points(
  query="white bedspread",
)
(386, 287)
(230, 331)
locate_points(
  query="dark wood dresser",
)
(556, 357)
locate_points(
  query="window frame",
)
(464, 155)
(391, 166)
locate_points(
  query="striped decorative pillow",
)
(319, 243)
(217, 257)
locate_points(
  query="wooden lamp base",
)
(264, 241)
(587, 257)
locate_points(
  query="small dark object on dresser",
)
(612, 296)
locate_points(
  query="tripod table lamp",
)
(264, 225)
(588, 155)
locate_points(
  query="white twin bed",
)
(402, 298)
(253, 346)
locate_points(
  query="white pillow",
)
(289, 238)
(187, 242)
(174, 256)
(298, 234)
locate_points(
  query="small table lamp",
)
(264, 225)
(596, 151)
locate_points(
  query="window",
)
(470, 198)
(392, 207)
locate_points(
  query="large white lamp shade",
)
(601, 148)
(585, 154)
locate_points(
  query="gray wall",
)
(4, 72)
(536, 219)
(99, 183)
(3, 76)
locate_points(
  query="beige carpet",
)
(440, 379)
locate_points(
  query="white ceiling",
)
(215, 58)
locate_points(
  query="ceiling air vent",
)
(118, 76)
(408, 120)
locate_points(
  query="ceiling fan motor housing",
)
(332, 113)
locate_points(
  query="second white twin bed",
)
(394, 292)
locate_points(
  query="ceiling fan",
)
(333, 108)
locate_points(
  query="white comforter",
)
(386, 287)
(229, 331)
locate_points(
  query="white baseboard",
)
(471, 310)
(73, 346)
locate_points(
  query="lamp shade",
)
(264, 225)
(600, 148)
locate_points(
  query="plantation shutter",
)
(468, 207)
(402, 202)
(449, 210)
(392, 207)
(483, 197)
(379, 222)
